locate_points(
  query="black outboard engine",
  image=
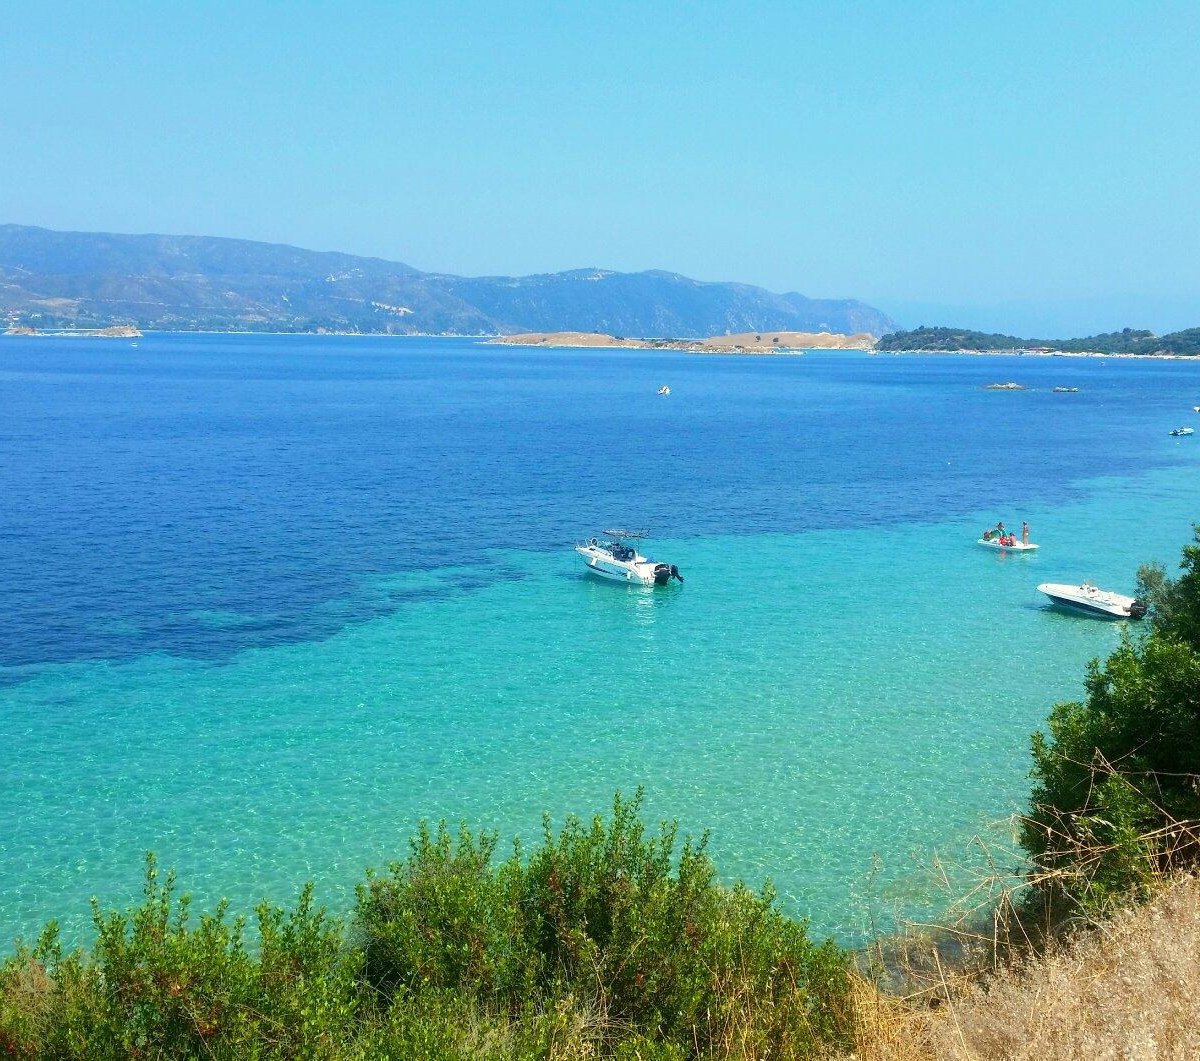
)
(663, 573)
(1138, 609)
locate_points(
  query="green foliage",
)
(610, 918)
(604, 942)
(1185, 343)
(1126, 341)
(1116, 799)
(155, 984)
(948, 339)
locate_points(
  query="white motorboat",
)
(664, 391)
(1180, 431)
(612, 557)
(1089, 600)
(1017, 546)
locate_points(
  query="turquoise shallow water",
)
(817, 697)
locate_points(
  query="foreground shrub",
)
(646, 941)
(1116, 802)
(602, 943)
(156, 985)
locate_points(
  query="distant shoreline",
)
(1036, 353)
(686, 345)
(113, 331)
(741, 343)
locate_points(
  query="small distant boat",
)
(1014, 546)
(1181, 431)
(1089, 600)
(1066, 390)
(1010, 386)
(1196, 408)
(614, 559)
(664, 391)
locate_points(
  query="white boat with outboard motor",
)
(614, 558)
(1090, 600)
(1179, 432)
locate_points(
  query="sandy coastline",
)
(740, 343)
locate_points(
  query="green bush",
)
(609, 918)
(604, 942)
(1116, 801)
(156, 985)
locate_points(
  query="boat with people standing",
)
(998, 538)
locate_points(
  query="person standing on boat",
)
(1025, 532)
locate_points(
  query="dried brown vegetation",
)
(1126, 987)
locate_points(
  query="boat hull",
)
(636, 572)
(1080, 608)
(623, 564)
(1016, 547)
(1095, 603)
(612, 575)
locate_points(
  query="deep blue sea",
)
(271, 600)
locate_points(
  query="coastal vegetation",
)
(1128, 341)
(1116, 801)
(603, 940)
(611, 940)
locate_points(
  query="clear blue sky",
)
(922, 156)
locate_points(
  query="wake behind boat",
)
(1089, 600)
(613, 558)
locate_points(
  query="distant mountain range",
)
(92, 280)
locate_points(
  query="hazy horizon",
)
(1022, 167)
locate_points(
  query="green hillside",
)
(1128, 341)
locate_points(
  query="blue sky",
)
(1010, 163)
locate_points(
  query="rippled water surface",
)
(271, 600)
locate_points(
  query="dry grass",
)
(1129, 988)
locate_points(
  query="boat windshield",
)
(619, 550)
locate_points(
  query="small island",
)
(1129, 342)
(741, 343)
(117, 331)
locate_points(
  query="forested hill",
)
(1128, 341)
(89, 279)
